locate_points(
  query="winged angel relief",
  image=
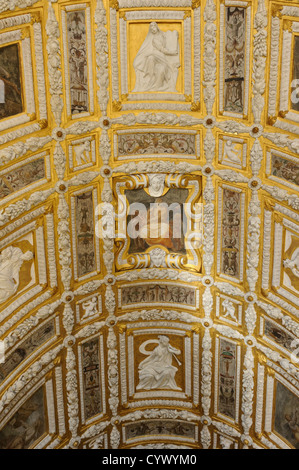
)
(157, 61)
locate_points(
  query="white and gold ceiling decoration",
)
(137, 343)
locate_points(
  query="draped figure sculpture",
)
(157, 371)
(157, 61)
(11, 260)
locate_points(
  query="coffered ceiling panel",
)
(124, 324)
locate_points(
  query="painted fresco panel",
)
(155, 143)
(286, 421)
(231, 233)
(157, 293)
(85, 233)
(40, 336)
(77, 61)
(21, 177)
(234, 59)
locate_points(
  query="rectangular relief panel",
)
(276, 335)
(160, 430)
(23, 104)
(91, 378)
(88, 308)
(76, 24)
(11, 94)
(159, 363)
(282, 167)
(234, 58)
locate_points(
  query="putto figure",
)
(157, 371)
(157, 61)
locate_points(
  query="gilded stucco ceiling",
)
(115, 342)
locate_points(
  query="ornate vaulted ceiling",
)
(122, 342)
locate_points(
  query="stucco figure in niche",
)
(91, 378)
(156, 184)
(11, 260)
(157, 371)
(277, 334)
(26, 347)
(287, 415)
(157, 61)
(227, 378)
(231, 233)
